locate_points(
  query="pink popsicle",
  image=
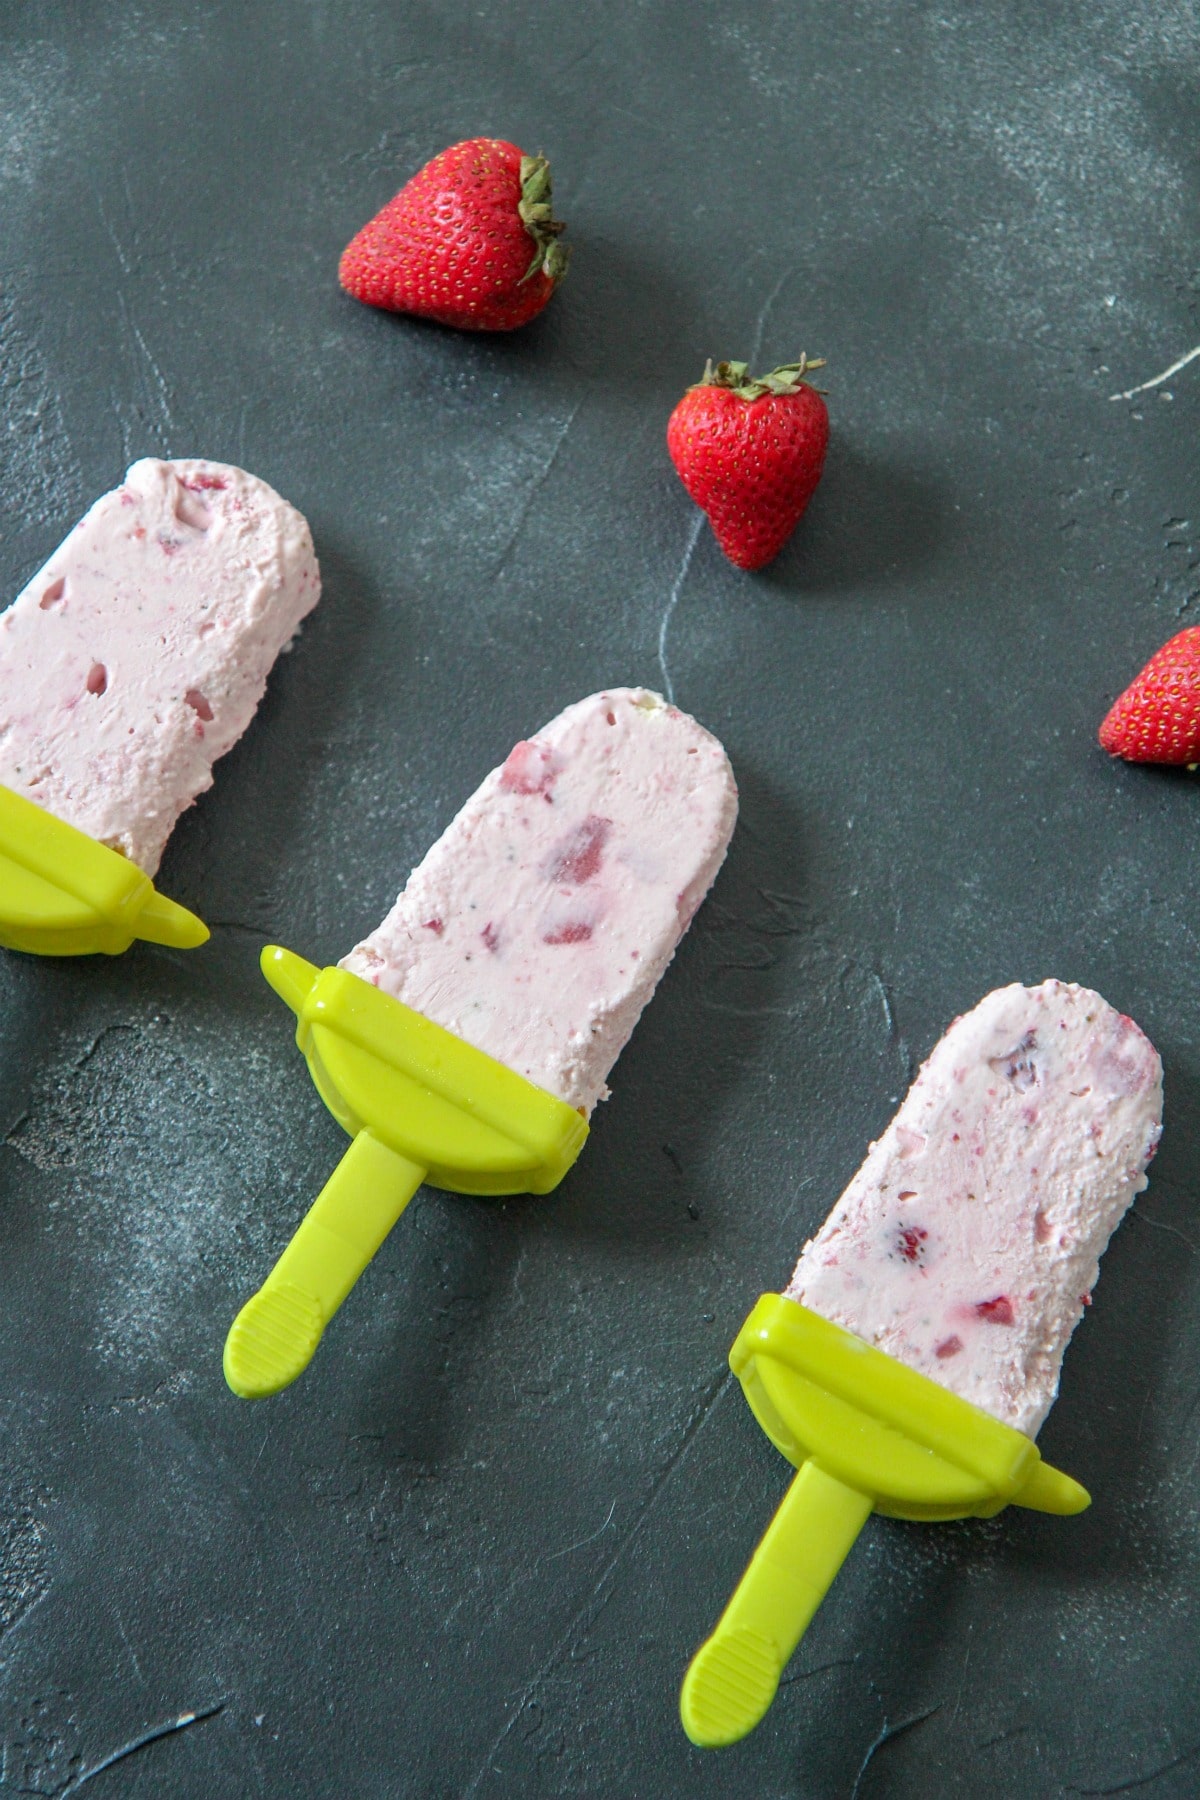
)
(534, 932)
(969, 1241)
(138, 655)
(539, 924)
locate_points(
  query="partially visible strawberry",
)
(750, 450)
(1157, 718)
(470, 241)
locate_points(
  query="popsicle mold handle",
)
(1048, 1490)
(474, 1125)
(420, 1104)
(163, 921)
(64, 894)
(732, 1678)
(289, 975)
(274, 1337)
(866, 1433)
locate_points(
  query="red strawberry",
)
(470, 241)
(750, 450)
(1157, 718)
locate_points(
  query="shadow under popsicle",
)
(227, 851)
(1106, 1424)
(1113, 1422)
(708, 1022)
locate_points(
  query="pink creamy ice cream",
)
(968, 1243)
(138, 655)
(539, 924)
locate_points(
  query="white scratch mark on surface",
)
(536, 487)
(962, 1680)
(139, 1743)
(1158, 380)
(664, 624)
(885, 1002)
(133, 1655)
(116, 242)
(159, 400)
(554, 1554)
(760, 326)
(159, 378)
(578, 1620)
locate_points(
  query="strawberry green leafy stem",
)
(784, 380)
(537, 216)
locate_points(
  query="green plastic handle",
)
(64, 894)
(420, 1104)
(733, 1676)
(867, 1433)
(274, 1337)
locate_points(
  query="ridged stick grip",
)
(274, 1337)
(733, 1677)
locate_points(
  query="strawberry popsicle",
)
(909, 1365)
(467, 1040)
(540, 923)
(969, 1242)
(138, 655)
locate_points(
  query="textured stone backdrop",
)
(471, 1552)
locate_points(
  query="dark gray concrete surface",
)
(471, 1552)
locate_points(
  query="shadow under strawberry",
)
(873, 522)
(589, 329)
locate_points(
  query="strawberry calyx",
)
(537, 215)
(784, 380)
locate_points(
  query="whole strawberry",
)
(750, 450)
(1157, 718)
(470, 241)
